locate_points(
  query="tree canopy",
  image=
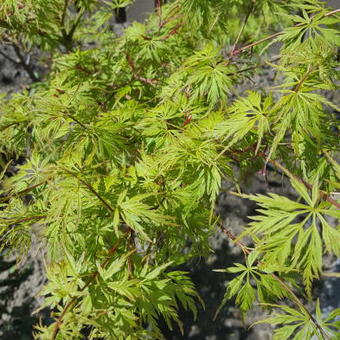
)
(127, 139)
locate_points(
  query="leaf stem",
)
(333, 12)
(274, 35)
(301, 305)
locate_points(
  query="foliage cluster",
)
(126, 142)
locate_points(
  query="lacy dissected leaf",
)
(252, 282)
(298, 324)
(294, 233)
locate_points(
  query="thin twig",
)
(232, 237)
(159, 12)
(258, 65)
(75, 25)
(6, 198)
(301, 305)
(5, 24)
(91, 189)
(67, 37)
(76, 120)
(305, 76)
(274, 35)
(333, 12)
(242, 28)
(3, 128)
(172, 32)
(255, 43)
(324, 195)
(26, 219)
(333, 162)
(136, 74)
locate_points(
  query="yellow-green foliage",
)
(126, 144)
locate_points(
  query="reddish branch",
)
(232, 53)
(187, 120)
(324, 195)
(232, 237)
(172, 18)
(158, 4)
(166, 37)
(28, 219)
(242, 49)
(3, 199)
(172, 32)
(136, 75)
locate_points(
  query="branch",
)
(90, 188)
(75, 25)
(232, 237)
(303, 79)
(26, 219)
(3, 128)
(274, 35)
(269, 37)
(6, 198)
(136, 74)
(158, 5)
(324, 195)
(5, 24)
(333, 12)
(76, 120)
(301, 305)
(172, 32)
(254, 67)
(242, 28)
(67, 38)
